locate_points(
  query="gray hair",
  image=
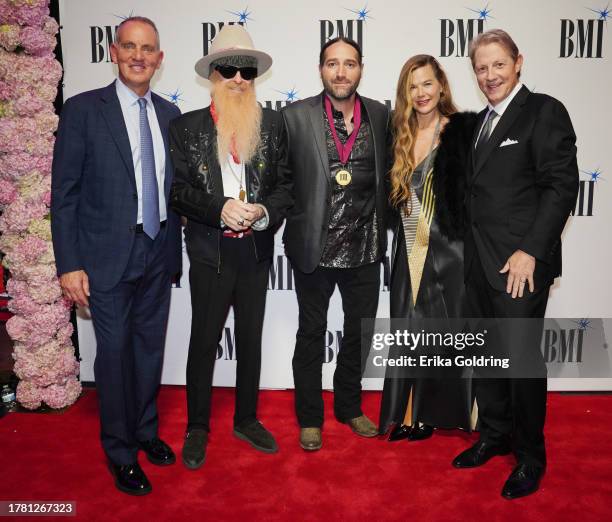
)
(142, 19)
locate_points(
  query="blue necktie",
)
(150, 191)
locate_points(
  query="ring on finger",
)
(241, 222)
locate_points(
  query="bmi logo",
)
(226, 347)
(583, 38)
(333, 344)
(456, 34)
(289, 96)
(101, 38)
(586, 192)
(281, 274)
(174, 97)
(210, 29)
(348, 28)
(565, 344)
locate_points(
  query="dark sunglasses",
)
(229, 71)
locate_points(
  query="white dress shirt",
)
(499, 109)
(232, 175)
(128, 100)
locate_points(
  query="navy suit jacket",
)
(94, 202)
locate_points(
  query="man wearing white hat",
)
(225, 158)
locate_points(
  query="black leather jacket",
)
(197, 190)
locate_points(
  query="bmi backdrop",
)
(567, 47)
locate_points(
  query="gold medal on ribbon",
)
(343, 177)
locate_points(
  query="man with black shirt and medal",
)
(225, 158)
(335, 232)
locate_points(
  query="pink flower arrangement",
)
(34, 186)
(8, 192)
(6, 93)
(38, 272)
(40, 327)
(10, 36)
(47, 364)
(29, 395)
(12, 166)
(41, 227)
(61, 394)
(24, 12)
(17, 216)
(33, 70)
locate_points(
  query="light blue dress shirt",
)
(128, 100)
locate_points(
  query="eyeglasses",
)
(229, 71)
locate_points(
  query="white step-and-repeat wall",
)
(567, 47)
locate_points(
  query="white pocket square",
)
(508, 142)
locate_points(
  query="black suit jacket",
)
(307, 169)
(522, 187)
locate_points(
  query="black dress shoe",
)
(257, 436)
(194, 448)
(524, 480)
(479, 453)
(130, 479)
(399, 432)
(420, 432)
(158, 452)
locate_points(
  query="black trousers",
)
(241, 283)
(510, 410)
(359, 288)
(130, 321)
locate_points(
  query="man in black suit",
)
(520, 191)
(117, 244)
(335, 233)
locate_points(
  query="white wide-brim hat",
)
(232, 40)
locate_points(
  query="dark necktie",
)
(486, 131)
(150, 191)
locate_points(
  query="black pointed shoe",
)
(130, 479)
(479, 453)
(158, 452)
(399, 432)
(420, 432)
(524, 480)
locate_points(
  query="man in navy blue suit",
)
(117, 245)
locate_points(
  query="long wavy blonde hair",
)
(405, 125)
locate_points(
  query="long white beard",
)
(239, 122)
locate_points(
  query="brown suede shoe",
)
(310, 439)
(363, 426)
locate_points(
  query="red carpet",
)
(58, 457)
